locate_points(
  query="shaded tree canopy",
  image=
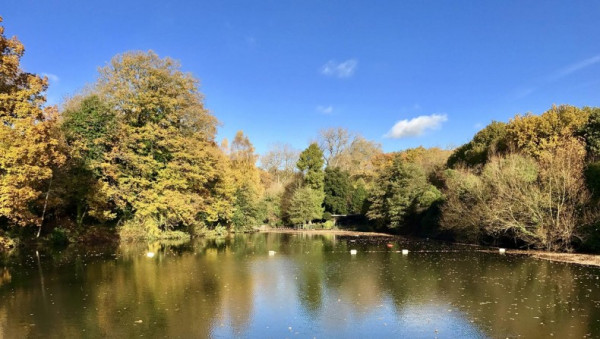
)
(338, 191)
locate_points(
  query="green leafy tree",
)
(287, 195)
(486, 142)
(311, 163)
(246, 212)
(90, 131)
(359, 198)
(592, 176)
(270, 209)
(591, 132)
(337, 191)
(400, 191)
(306, 206)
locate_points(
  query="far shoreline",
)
(569, 258)
(336, 232)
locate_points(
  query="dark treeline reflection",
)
(312, 286)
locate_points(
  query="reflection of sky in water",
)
(278, 312)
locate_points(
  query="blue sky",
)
(402, 73)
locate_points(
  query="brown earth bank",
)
(575, 258)
(572, 258)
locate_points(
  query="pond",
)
(311, 287)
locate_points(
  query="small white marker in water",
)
(502, 250)
(353, 252)
(150, 254)
(405, 252)
(271, 253)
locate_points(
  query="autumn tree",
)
(357, 159)
(349, 151)
(163, 169)
(29, 143)
(535, 134)
(333, 142)
(280, 162)
(246, 177)
(541, 203)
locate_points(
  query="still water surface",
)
(312, 287)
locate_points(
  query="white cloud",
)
(416, 126)
(325, 109)
(341, 70)
(51, 77)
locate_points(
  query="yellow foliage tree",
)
(246, 178)
(534, 134)
(163, 169)
(29, 146)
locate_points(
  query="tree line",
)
(136, 151)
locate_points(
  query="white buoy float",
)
(150, 254)
(502, 250)
(405, 252)
(353, 252)
(272, 253)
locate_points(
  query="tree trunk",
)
(45, 205)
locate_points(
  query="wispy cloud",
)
(574, 68)
(557, 75)
(325, 109)
(341, 70)
(522, 92)
(416, 126)
(51, 77)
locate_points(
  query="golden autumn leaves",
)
(29, 146)
(137, 147)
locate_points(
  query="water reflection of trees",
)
(214, 285)
(174, 294)
(506, 296)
